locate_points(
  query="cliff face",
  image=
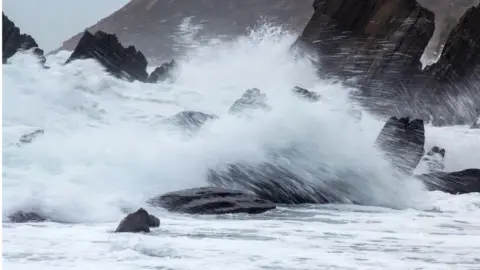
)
(447, 15)
(380, 42)
(153, 25)
(14, 40)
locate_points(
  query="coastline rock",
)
(306, 94)
(460, 182)
(372, 39)
(138, 221)
(403, 142)
(121, 62)
(461, 53)
(432, 161)
(251, 99)
(23, 217)
(190, 120)
(14, 41)
(162, 72)
(211, 200)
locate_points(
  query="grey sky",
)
(51, 22)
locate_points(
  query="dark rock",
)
(460, 182)
(403, 142)
(29, 137)
(306, 94)
(270, 182)
(106, 49)
(22, 217)
(13, 41)
(190, 120)
(139, 221)
(372, 39)
(162, 72)
(476, 123)
(212, 200)
(251, 99)
(434, 159)
(461, 53)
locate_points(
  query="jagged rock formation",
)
(153, 26)
(369, 38)
(461, 54)
(381, 44)
(106, 49)
(162, 72)
(14, 41)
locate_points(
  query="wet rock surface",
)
(138, 221)
(212, 200)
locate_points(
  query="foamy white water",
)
(105, 151)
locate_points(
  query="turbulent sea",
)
(106, 150)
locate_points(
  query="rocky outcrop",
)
(403, 142)
(212, 200)
(163, 29)
(251, 99)
(306, 94)
(460, 182)
(138, 221)
(380, 43)
(106, 49)
(461, 54)
(189, 120)
(22, 217)
(14, 41)
(372, 39)
(162, 72)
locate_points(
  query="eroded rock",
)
(162, 72)
(14, 41)
(251, 99)
(121, 62)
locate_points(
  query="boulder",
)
(251, 99)
(212, 200)
(460, 182)
(162, 72)
(121, 62)
(190, 120)
(403, 142)
(139, 221)
(13, 41)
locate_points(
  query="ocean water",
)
(105, 151)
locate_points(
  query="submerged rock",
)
(139, 221)
(460, 182)
(162, 72)
(403, 142)
(29, 137)
(212, 200)
(22, 217)
(251, 99)
(121, 62)
(13, 41)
